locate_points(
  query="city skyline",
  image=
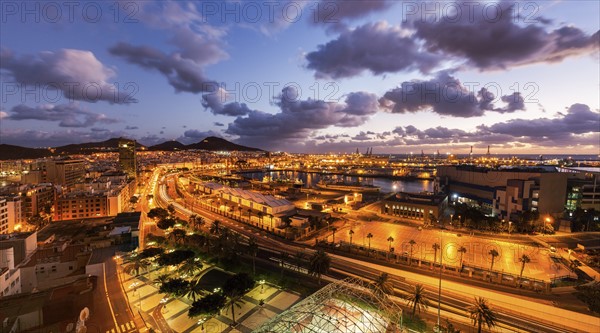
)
(322, 76)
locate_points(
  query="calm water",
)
(311, 179)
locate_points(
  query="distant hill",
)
(213, 143)
(11, 152)
(93, 147)
(168, 146)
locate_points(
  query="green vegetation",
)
(480, 313)
(590, 294)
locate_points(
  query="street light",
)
(509, 228)
(262, 285)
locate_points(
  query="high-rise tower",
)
(127, 157)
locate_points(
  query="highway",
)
(516, 312)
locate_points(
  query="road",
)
(110, 311)
(513, 310)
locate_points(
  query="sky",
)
(305, 76)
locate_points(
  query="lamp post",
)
(262, 285)
(509, 228)
(440, 279)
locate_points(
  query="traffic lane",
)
(118, 300)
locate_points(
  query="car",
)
(552, 249)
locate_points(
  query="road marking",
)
(127, 325)
(123, 328)
(108, 299)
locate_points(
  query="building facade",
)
(418, 207)
(127, 160)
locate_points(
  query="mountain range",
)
(211, 143)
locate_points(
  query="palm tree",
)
(135, 266)
(299, 257)
(462, 250)
(215, 227)
(161, 279)
(333, 230)
(209, 305)
(494, 254)
(369, 236)
(435, 248)
(190, 267)
(351, 232)
(234, 299)
(524, 260)
(253, 250)
(412, 244)
(383, 285)
(418, 299)
(480, 313)
(390, 240)
(195, 290)
(319, 264)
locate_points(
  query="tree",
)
(369, 236)
(351, 232)
(480, 313)
(412, 244)
(133, 200)
(215, 227)
(319, 264)
(333, 230)
(253, 250)
(136, 265)
(150, 252)
(158, 213)
(234, 288)
(166, 223)
(462, 250)
(176, 287)
(194, 290)
(234, 300)
(171, 210)
(161, 279)
(197, 221)
(493, 253)
(383, 285)
(299, 257)
(435, 248)
(240, 282)
(418, 299)
(177, 235)
(208, 305)
(190, 266)
(36, 220)
(524, 260)
(175, 258)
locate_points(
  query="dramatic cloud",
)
(334, 14)
(193, 136)
(131, 127)
(215, 103)
(75, 73)
(67, 115)
(36, 138)
(376, 47)
(183, 74)
(496, 38)
(578, 127)
(299, 118)
(216, 123)
(579, 119)
(446, 95)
